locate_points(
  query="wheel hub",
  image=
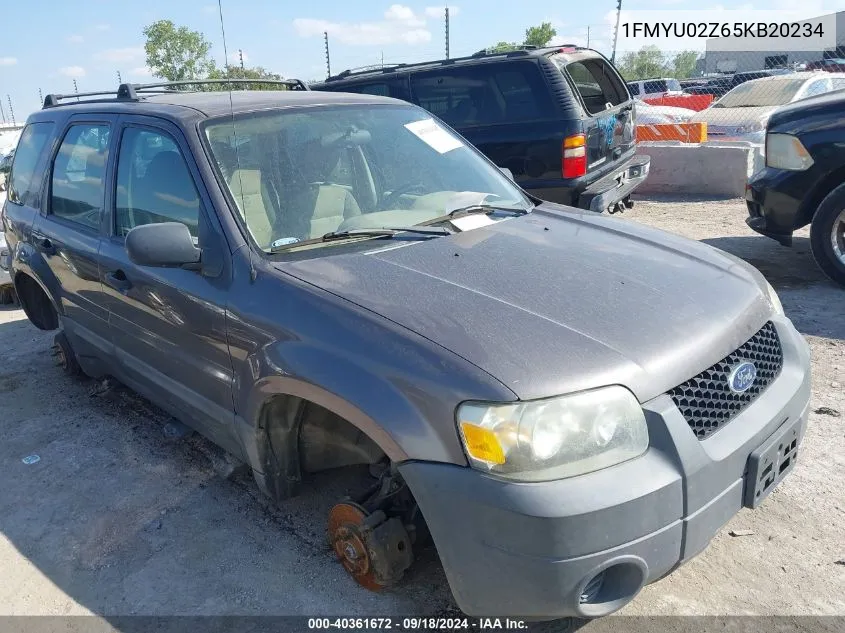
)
(837, 237)
(346, 532)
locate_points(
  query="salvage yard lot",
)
(116, 518)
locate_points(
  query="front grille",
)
(707, 402)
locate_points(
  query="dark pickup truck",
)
(803, 181)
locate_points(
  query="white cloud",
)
(8, 61)
(440, 12)
(141, 71)
(400, 25)
(102, 27)
(128, 54)
(75, 39)
(72, 71)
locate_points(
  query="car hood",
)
(559, 301)
(732, 117)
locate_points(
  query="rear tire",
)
(65, 356)
(827, 235)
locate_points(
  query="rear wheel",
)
(827, 235)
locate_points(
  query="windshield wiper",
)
(353, 233)
(474, 209)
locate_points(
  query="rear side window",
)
(484, 94)
(820, 86)
(153, 183)
(23, 184)
(597, 83)
(655, 86)
(379, 89)
(634, 89)
(78, 186)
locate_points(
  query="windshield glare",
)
(771, 92)
(298, 174)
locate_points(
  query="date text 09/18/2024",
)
(418, 624)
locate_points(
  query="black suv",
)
(560, 119)
(803, 180)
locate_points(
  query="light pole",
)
(616, 30)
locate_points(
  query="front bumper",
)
(773, 206)
(531, 549)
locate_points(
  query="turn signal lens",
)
(482, 444)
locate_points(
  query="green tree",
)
(647, 62)
(236, 72)
(177, 53)
(684, 63)
(540, 36)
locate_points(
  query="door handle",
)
(45, 245)
(118, 281)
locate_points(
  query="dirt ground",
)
(118, 518)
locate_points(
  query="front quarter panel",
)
(290, 338)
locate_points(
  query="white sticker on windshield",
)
(436, 136)
(469, 222)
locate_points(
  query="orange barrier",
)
(684, 132)
(692, 102)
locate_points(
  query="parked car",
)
(647, 114)
(720, 86)
(802, 181)
(5, 167)
(742, 114)
(560, 119)
(319, 280)
(652, 88)
(834, 65)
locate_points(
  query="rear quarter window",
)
(598, 84)
(24, 183)
(484, 94)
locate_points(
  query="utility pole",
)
(119, 79)
(447, 32)
(75, 89)
(40, 97)
(11, 109)
(616, 30)
(588, 36)
(2, 112)
(328, 61)
(382, 59)
(241, 56)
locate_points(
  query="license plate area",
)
(769, 463)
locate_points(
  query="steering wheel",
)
(389, 201)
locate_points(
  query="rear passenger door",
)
(168, 325)
(67, 233)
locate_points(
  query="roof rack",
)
(390, 68)
(133, 92)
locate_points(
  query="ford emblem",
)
(742, 377)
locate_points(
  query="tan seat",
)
(254, 203)
(333, 205)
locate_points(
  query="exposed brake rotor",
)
(374, 549)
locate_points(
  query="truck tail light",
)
(574, 163)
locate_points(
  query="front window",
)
(770, 92)
(298, 174)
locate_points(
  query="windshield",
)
(769, 92)
(298, 174)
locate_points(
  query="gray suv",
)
(568, 405)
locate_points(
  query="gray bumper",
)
(530, 549)
(605, 193)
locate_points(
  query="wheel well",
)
(304, 437)
(819, 193)
(35, 303)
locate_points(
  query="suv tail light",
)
(574, 163)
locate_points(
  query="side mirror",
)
(507, 172)
(165, 244)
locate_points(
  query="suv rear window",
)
(596, 82)
(484, 94)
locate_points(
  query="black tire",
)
(827, 219)
(65, 356)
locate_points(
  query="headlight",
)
(784, 151)
(554, 438)
(777, 306)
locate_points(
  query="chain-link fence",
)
(733, 93)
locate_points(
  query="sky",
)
(92, 40)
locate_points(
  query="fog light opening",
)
(612, 587)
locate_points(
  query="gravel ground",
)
(118, 519)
